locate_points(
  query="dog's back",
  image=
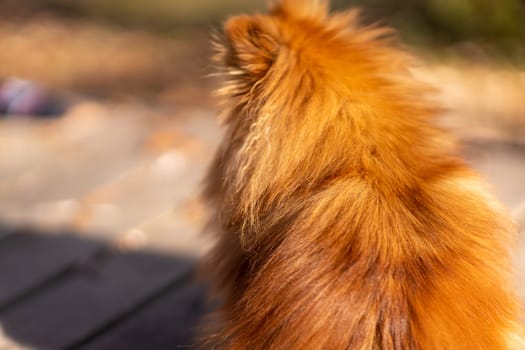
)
(345, 218)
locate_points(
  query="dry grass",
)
(97, 59)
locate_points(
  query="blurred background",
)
(106, 128)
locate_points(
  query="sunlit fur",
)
(345, 218)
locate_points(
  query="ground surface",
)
(100, 228)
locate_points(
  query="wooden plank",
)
(21, 146)
(141, 194)
(150, 196)
(75, 167)
(97, 296)
(177, 230)
(167, 182)
(28, 143)
(170, 322)
(29, 260)
(115, 179)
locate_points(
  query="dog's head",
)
(253, 43)
(304, 90)
(288, 53)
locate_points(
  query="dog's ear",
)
(251, 44)
(301, 8)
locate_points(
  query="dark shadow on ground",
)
(62, 291)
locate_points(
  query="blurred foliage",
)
(443, 22)
(497, 24)
(159, 15)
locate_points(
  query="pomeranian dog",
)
(345, 217)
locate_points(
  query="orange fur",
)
(346, 220)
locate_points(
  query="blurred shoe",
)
(24, 97)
